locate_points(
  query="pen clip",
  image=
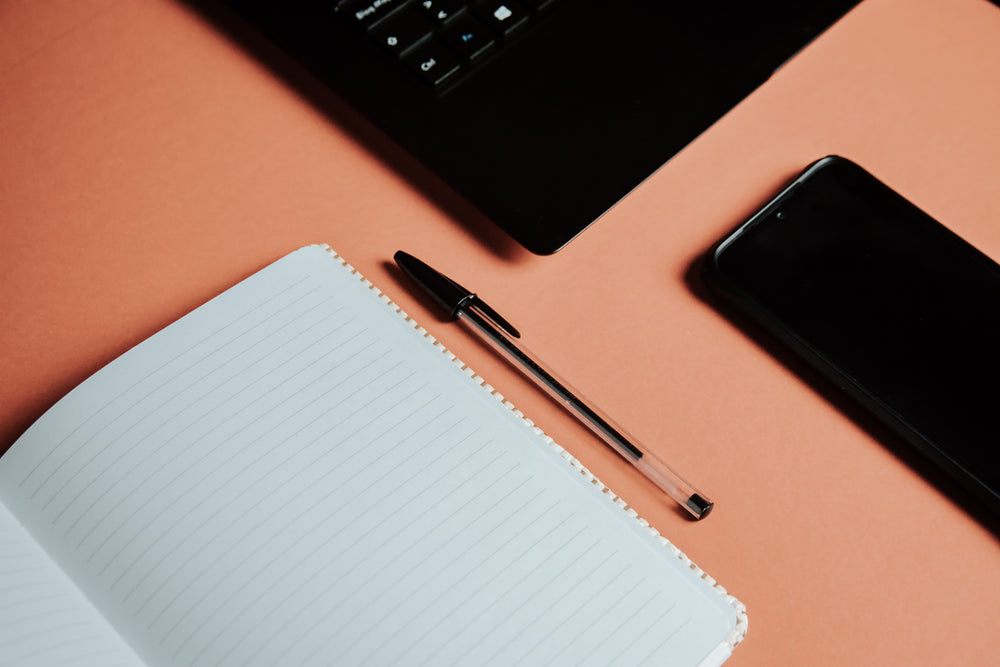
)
(449, 294)
(483, 308)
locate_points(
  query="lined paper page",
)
(293, 475)
(44, 620)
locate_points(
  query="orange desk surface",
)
(147, 163)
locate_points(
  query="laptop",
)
(542, 113)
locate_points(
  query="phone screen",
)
(885, 300)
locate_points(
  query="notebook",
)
(296, 473)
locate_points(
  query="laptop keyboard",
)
(439, 40)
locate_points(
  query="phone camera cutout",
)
(780, 215)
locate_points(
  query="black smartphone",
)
(894, 308)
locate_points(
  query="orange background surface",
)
(147, 162)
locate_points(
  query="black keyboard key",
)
(505, 16)
(366, 13)
(401, 31)
(432, 61)
(468, 36)
(441, 11)
(538, 5)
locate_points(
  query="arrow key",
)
(441, 11)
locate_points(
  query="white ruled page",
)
(45, 621)
(293, 475)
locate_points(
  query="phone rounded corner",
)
(709, 269)
(843, 166)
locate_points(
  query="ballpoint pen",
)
(472, 311)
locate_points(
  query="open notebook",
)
(296, 473)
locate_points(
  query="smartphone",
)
(883, 300)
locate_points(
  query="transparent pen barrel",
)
(595, 419)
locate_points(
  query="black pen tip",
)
(699, 506)
(442, 289)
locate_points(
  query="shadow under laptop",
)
(893, 442)
(233, 27)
